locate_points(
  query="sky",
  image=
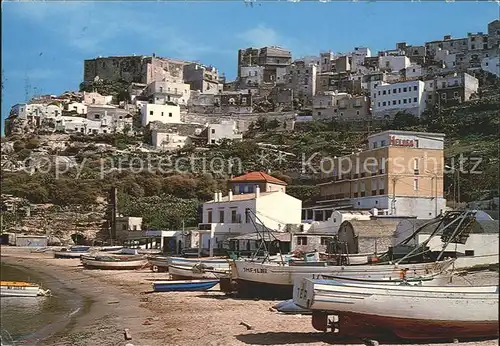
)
(44, 43)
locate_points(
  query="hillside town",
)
(351, 184)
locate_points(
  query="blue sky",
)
(48, 41)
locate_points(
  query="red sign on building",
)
(402, 142)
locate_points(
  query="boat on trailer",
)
(184, 285)
(21, 289)
(410, 312)
(114, 262)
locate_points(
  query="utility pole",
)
(393, 202)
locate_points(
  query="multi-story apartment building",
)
(169, 91)
(388, 99)
(400, 174)
(270, 58)
(341, 106)
(302, 80)
(202, 78)
(451, 89)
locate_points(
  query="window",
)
(341, 114)
(213, 130)
(399, 90)
(384, 92)
(319, 113)
(405, 89)
(375, 145)
(393, 91)
(443, 96)
(170, 114)
(383, 103)
(209, 216)
(124, 227)
(399, 102)
(243, 100)
(473, 46)
(415, 184)
(247, 216)
(379, 92)
(325, 240)
(415, 99)
(234, 216)
(409, 100)
(404, 101)
(357, 112)
(212, 141)
(394, 102)
(378, 104)
(161, 113)
(301, 240)
(389, 91)
(382, 143)
(469, 252)
(455, 94)
(150, 112)
(415, 87)
(134, 227)
(221, 216)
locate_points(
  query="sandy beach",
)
(119, 300)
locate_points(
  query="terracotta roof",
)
(257, 177)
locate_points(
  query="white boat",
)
(21, 289)
(159, 263)
(114, 262)
(72, 252)
(275, 279)
(211, 262)
(403, 311)
(196, 272)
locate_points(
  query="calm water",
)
(33, 319)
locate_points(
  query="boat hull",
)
(187, 273)
(374, 326)
(114, 265)
(403, 311)
(12, 291)
(184, 285)
(69, 254)
(272, 280)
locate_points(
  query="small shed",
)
(31, 240)
(372, 236)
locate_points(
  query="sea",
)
(28, 320)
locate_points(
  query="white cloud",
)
(261, 36)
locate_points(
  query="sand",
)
(122, 300)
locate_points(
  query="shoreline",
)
(123, 299)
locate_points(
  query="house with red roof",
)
(255, 201)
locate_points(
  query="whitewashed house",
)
(224, 130)
(167, 113)
(78, 107)
(248, 206)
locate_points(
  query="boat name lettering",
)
(255, 270)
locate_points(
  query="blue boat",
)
(184, 285)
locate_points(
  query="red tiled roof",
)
(257, 177)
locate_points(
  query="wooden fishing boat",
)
(196, 272)
(114, 262)
(21, 289)
(402, 311)
(276, 279)
(159, 263)
(216, 263)
(426, 280)
(72, 252)
(184, 285)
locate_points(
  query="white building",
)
(491, 64)
(168, 91)
(71, 124)
(94, 98)
(226, 217)
(447, 59)
(388, 99)
(393, 63)
(78, 107)
(168, 141)
(224, 130)
(333, 222)
(168, 113)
